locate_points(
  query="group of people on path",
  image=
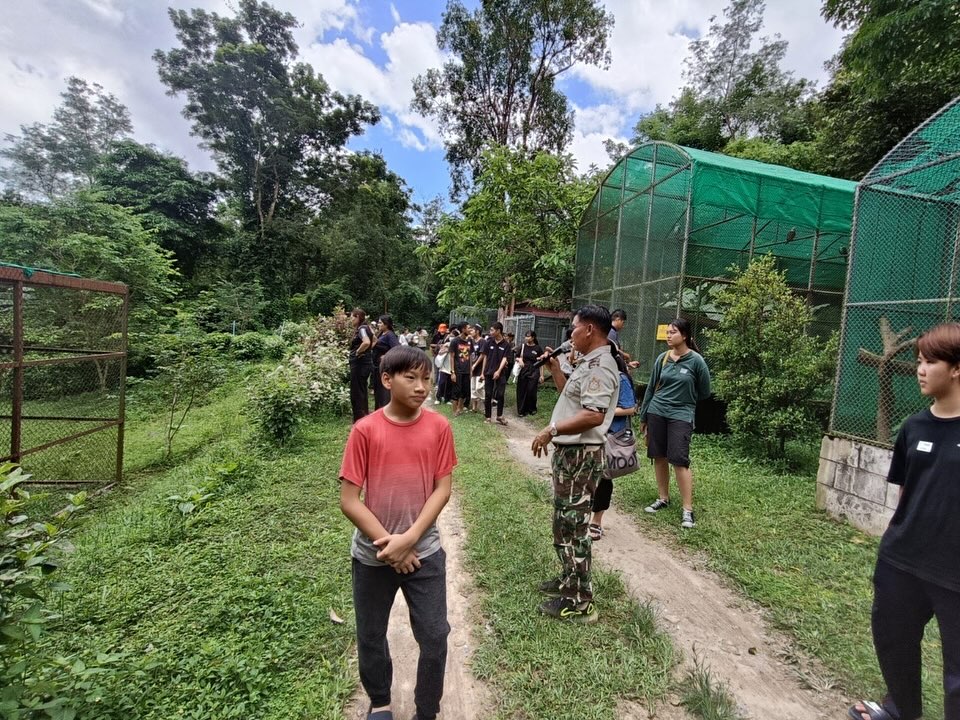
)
(398, 464)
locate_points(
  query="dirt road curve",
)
(705, 618)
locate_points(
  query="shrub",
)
(771, 372)
(293, 332)
(217, 341)
(249, 346)
(279, 402)
(274, 347)
(311, 380)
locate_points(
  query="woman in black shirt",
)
(529, 378)
(918, 565)
(361, 364)
(386, 339)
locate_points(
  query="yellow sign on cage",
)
(662, 332)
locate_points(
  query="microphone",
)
(564, 347)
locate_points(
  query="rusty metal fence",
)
(63, 360)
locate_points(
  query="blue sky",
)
(374, 48)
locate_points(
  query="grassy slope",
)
(226, 616)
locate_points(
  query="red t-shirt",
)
(397, 465)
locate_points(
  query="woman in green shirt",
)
(679, 380)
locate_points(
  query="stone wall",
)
(852, 484)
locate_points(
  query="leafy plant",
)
(278, 404)
(33, 684)
(765, 364)
(248, 346)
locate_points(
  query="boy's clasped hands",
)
(398, 552)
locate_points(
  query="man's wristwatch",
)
(553, 429)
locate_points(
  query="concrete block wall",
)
(852, 484)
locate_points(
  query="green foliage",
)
(48, 161)
(899, 64)
(516, 239)
(215, 613)
(312, 380)
(187, 370)
(764, 363)
(34, 683)
(249, 346)
(499, 85)
(169, 201)
(706, 697)
(270, 122)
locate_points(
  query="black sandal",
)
(595, 531)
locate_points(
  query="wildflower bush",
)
(310, 381)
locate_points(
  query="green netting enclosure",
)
(668, 222)
(902, 278)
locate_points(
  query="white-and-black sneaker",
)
(688, 521)
(658, 504)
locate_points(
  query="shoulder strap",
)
(663, 364)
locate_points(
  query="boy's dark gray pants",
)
(425, 590)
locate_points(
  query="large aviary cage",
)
(903, 277)
(63, 359)
(668, 222)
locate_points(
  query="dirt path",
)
(705, 618)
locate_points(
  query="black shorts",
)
(461, 387)
(670, 439)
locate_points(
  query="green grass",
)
(224, 613)
(537, 665)
(706, 697)
(757, 524)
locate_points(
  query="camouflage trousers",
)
(576, 471)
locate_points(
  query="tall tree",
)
(266, 119)
(515, 240)
(47, 161)
(733, 92)
(499, 87)
(363, 241)
(168, 200)
(899, 65)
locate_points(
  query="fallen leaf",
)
(334, 618)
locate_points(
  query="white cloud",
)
(594, 126)
(650, 40)
(410, 48)
(649, 45)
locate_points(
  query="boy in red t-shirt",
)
(402, 458)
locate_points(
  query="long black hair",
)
(386, 320)
(621, 363)
(683, 327)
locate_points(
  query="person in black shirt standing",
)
(461, 356)
(918, 565)
(360, 359)
(529, 379)
(497, 360)
(386, 340)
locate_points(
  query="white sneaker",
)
(688, 521)
(436, 402)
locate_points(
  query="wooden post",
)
(887, 366)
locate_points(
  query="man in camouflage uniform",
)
(577, 429)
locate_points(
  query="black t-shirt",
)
(923, 538)
(461, 349)
(478, 347)
(496, 352)
(386, 342)
(362, 333)
(529, 355)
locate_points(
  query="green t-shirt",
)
(682, 383)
